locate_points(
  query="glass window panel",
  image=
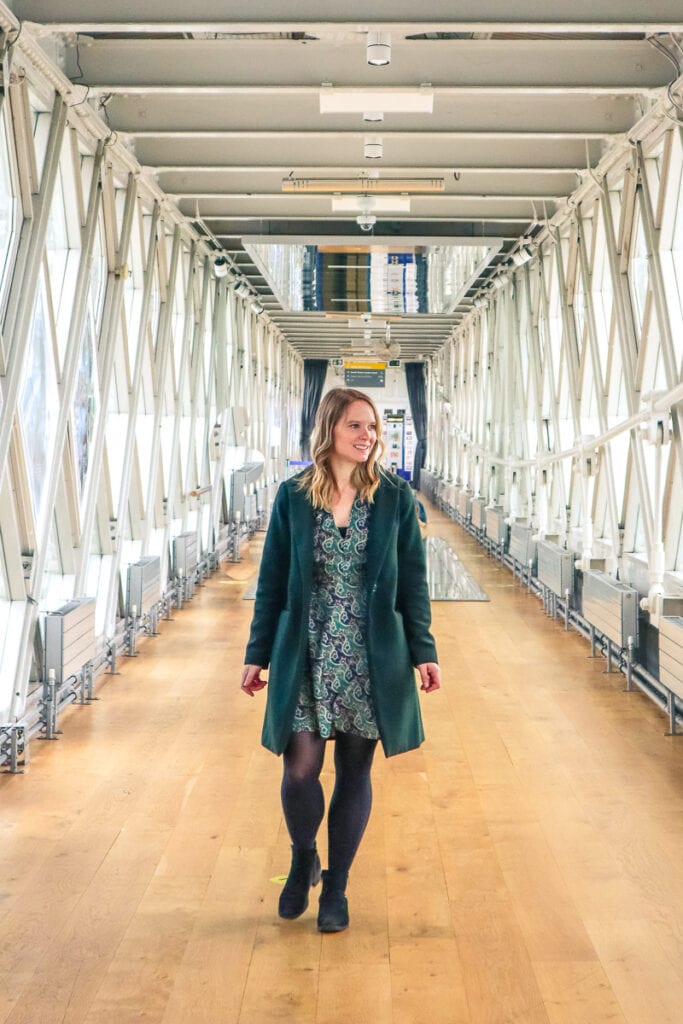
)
(98, 275)
(678, 563)
(117, 424)
(4, 584)
(8, 207)
(132, 297)
(57, 249)
(39, 403)
(167, 423)
(41, 130)
(143, 436)
(638, 272)
(85, 404)
(184, 453)
(97, 584)
(56, 588)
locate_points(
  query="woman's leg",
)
(351, 800)
(349, 812)
(304, 806)
(303, 802)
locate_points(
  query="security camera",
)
(366, 221)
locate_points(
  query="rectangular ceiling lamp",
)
(356, 185)
(375, 204)
(388, 101)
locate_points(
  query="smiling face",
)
(355, 433)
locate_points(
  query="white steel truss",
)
(559, 397)
(122, 358)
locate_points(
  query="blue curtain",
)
(417, 396)
(315, 371)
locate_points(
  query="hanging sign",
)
(364, 375)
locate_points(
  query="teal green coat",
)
(399, 615)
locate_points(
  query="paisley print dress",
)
(335, 695)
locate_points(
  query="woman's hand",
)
(251, 679)
(430, 674)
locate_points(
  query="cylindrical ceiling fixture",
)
(379, 49)
(220, 266)
(372, 147)
(373, 116)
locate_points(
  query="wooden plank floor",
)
(524, 866)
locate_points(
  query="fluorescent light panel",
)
(370, 204)
(360, 101)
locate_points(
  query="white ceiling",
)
(526, 96)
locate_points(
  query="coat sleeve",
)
(412, 590)
(271, 590)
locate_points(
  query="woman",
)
(341, 616)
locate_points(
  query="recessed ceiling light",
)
(373, 147)
(389, 101)
(370, 204)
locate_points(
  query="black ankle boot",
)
(304, 872)
(333, 912)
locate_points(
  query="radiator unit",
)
(464, 504)
(496, 527)
(671, 653)
(478, 510)
(611, 607)
(522, 546)
(70, 638)
(427, 484)
(555, 568)
(185, 554)
(144, 585)
(239, 479)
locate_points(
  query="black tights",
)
(302, 795)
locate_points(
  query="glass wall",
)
(112, 336)
(568, 358)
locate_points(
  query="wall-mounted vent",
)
(522, 546)
(611, 607)
(185, 554)
(478, 511)
(496, 527)
(556, 568)
(144, 585)
(464, 504)
(70, 638)
(671, 653)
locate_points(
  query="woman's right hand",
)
(251, 679)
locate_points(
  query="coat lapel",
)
(302, 528)
(382, 513)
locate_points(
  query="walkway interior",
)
(525, 865)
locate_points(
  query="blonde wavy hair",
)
(318, 481)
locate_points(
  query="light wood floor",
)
(526, 865)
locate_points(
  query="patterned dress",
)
(335, 694)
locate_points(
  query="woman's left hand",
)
(430, 674)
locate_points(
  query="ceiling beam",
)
(316, 169)
(124, 64)
(358, 16)
(309, 136)
(277, 91)
(324, 197)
